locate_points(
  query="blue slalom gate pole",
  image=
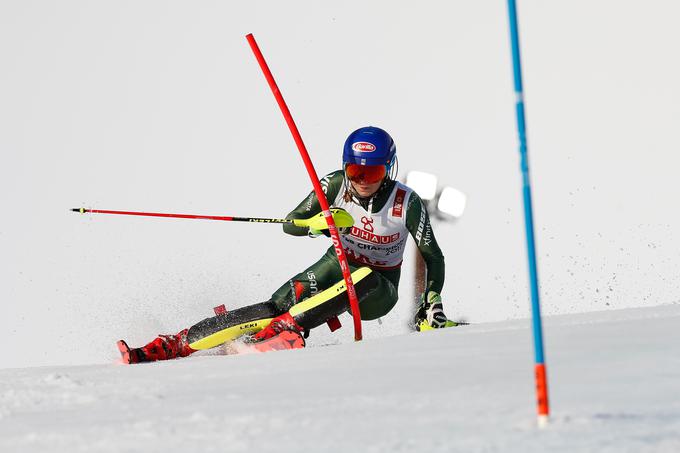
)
(540, 369)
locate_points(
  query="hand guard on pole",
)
(343, 220)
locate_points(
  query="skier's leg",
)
(217, 330)
(311, 308)
(373, 290)
(325, 273)
(205, 334)
(220, 329)
(308, 284)
(319, 276)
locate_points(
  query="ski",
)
(285, 340)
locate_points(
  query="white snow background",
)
(160, 106)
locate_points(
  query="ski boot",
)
(164, 347)
(287, 339)
(279, 324)
(282, 333)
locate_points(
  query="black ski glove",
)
(430, 313)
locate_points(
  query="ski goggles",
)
(367, 174)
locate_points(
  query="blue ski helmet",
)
(369, 146)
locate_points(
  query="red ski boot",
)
(278, 325)
(164, 347)
(288, 339)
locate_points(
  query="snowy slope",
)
(614, 378)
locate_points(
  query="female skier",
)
(385, 212)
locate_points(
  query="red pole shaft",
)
(154, 214)
(183, 216)
(335, 237)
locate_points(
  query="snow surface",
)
(614, 385)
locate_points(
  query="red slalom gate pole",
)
(335, 236)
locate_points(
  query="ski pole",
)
(320, 195)
(317, 222)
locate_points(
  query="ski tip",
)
(80, 210)
(124, 352)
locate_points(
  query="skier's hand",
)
(343, 221)
(430, 313)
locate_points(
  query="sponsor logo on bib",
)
(374, 238)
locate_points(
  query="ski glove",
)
(430, 313)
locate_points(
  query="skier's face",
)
(364, 189)
(365, 179)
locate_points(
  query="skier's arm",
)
(418, 224)
(331, 183)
